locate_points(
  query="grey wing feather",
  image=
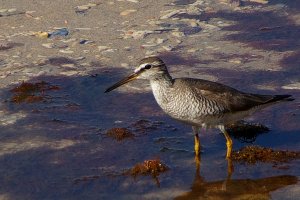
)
(229, 98)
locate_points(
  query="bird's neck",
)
(161, 86)
(162, 80)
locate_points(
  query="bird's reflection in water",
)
(244, 132)
(236, 188)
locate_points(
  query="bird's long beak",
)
(122, 82)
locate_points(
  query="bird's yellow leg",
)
(197, 145)
(197, 140)
(229, 145)
(197, 148)
(228, 142)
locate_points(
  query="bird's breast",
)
(177, 103)
(186, 106)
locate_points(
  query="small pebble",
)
(167, 48)
(133, 1)
(140, 34)
(192, 50)
(193, 24)
(102, 48)
(127, 12)
(67, 51)
(48, 45)
(178, 34)
(84, 41)
(61, 45)
(124, 65)
(79, 58)
(160, 40)
(68, 40)
(41, 34)
(150, 53)
(148, 45)
(127, 48)
(70, 65)
(171, 14)
(69, 73)
(178, 41)
(260, 1)
(84, 7)
(83, 29)
(235, 61)
(59, 32)
(12, 10)
(92, 4)
(109, 51)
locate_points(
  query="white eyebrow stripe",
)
(142, 66)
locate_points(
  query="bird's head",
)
(148, 68)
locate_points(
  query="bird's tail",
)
(286, 97)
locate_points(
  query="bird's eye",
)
(148, 66)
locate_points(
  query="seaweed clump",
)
(119, 133)
(148, 167)
(255, 154)
(31, 92)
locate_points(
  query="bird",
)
(198, 102)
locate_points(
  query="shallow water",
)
(59, 148)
